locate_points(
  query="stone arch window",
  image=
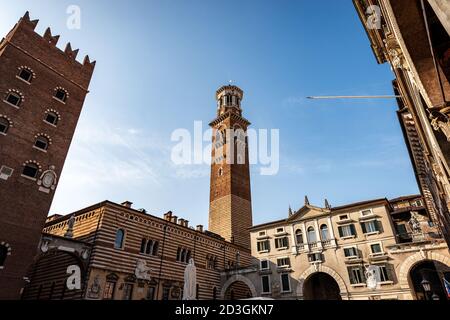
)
(324, 234)
(42, 141)
(155, 248)
(5, 251)
(220, 172)
(299, 236)
(120, 237)
(188, 256)
(311, 233)
(5, 124)
(31, 169)
(14, 97)
(26, 74)
(61, 94)
(220, 137)
(52, 117)
(179, 254)
(143, 245)
(183, 255)
(149, 247)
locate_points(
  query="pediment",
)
(308, 212)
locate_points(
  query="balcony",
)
(329, 243)
(315, 245)
(416, 237)
(411, 242)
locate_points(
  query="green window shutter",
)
(363, 226)
(352, 227)
(363, 274)
(390, 271)
(350, 275)
(379, 226)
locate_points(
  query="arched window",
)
(51, 117)
(4, 125)
(188, 256)
(14, 98)
(42, 142)
(155, 248)
(143, 244)
(324, 232)
(220, 173)
(26, 74)
(3, 254)
(299, 236)
(61, 94)
(179, 254)
(148, 249)
(183, 255)
(30, 170)
(311, 235)
(120, 235)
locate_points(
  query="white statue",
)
(414, 222)
(372, 277)
(142, 271)
(190, 281)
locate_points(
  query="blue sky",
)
(158, 66)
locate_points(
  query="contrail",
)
(353, 97)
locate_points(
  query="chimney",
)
(127, 204)
(168, 216)
(200, 228)
(174, 219)
(186, 223)
(181, 222)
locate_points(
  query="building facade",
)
(126, 254)
(42, 91)
(321, 253)
(414, 37)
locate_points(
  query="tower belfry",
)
(230, 210)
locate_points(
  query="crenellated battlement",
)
(44, 48)
(53, 40)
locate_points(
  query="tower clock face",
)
(47, 180)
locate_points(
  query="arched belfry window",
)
(299, 236)
(61, 94)
(311, 235)
(324, 232)
(149, 248)
(120, 236)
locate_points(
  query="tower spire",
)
(306, 201)
(327, 204)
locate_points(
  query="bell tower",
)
(230, 209)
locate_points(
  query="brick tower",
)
(42, 91)
(230, 209)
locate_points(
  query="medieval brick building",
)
(123, 253)
(230, 210)
(42, 91)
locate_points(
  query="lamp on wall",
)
(426, 285)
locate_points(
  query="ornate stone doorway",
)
(321, 286)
